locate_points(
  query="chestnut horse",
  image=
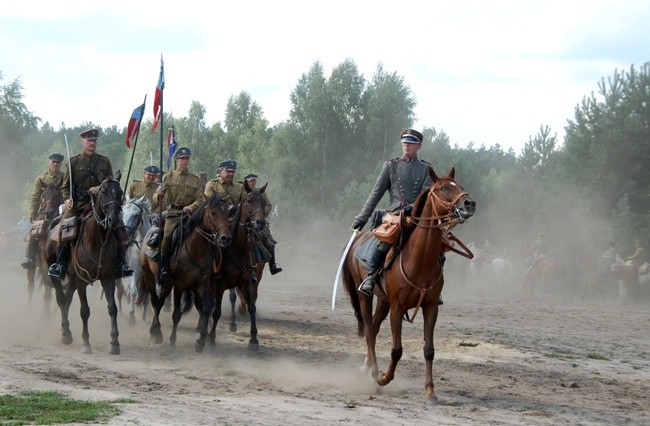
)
(241, 270)
(51, 199)
(94, 257)
(193, 260)
(413, 277)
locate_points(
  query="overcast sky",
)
(487, 72)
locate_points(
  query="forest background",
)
(321, 163)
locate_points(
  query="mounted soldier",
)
(145, 187)
(53, 175)
(81, 181)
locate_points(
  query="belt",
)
(176, 206)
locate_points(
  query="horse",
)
(413, 276)
(241, 269)
(545, 272)
(192, 263)
(135, 215)
(493, 269)
(94, 256)
(51, 199)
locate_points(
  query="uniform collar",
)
(409, 159)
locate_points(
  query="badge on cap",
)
(228, 164)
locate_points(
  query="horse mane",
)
(420, 202)
(197, 216)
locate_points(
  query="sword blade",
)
(340, 268)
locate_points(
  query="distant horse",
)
(492, 269)
(627, 277)
(94, 257)
(51, 199)
(193, 260)
(135, 215)
(241, 269)
(546, 273)
(413, 277)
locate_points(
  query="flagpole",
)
(160, 201)
(135, 143)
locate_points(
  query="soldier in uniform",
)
(403, 178)
(52, 176)
(145, 187)
(225, 186)
(89, 169)
(267, 238)
(181, 192)
(638, 258)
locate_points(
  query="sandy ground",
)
(500, 359)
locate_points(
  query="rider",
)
(146, 187)
(538, 252)
(639, 257)
(403, 178)
(88, 169)
(181, 192)
(52, 176)
(266, 237)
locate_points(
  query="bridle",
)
(104, 222)
(446, 214)
(212, 234)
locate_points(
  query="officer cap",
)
(228, 164)
(56, 157)
(183, 152)
(152, 169)
(90, 134)
(411, 136)
(250, 176)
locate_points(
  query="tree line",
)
(591, 188)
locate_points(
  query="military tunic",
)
(404, 178)
(231, 193)
(139, 188)
(42, 180)
(86, 173)
(181, 190)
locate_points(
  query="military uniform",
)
(139, 188)
(231, 193)
(42, 180)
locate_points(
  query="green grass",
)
(560, 356)
(44, 408)
(594, 355)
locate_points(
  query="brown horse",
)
(51, 199)
(193, 260)
(413, 277)
(546, 272)
(241, 269)
(94, 257)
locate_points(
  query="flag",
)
(157, 100)
(171, 145)
(134, 125)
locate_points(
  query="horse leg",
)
(396, 349)
(371, 327)
(31, 272)
(85, 314)
(430, 318)
(253, 344)
(63, 299)
(109, 290)
(132, 295)
(233, 301)
(155, 331)
(216, 314)
(207, 305)
(242, 303)
(176, 317)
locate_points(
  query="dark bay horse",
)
(51, 199)
(241, 270)
(194, 259)
(413, 278)
(94, 257)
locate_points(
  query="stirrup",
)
(367, 286)
(123, 271)
(275, 268)
(57, 270)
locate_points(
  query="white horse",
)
(493, 270)
(135, 215)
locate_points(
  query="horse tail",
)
(351, 289)
(187, 302)
(142, 291)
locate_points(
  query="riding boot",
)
(32, 248)
(164, 269)
(60, 268)
(273, 266)
(375, 262)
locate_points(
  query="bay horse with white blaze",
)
(413, 277)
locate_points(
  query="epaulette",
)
(136, 180)
(426, 162)
(394, 160)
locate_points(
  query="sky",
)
(484, 72)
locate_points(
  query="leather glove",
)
(358, 224)
(408, 209)
(232, 209)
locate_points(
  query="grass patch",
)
(44, 408)
(594, 355)
(560, 356)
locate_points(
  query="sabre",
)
(67, 150)
(338, 272)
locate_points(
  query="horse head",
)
(214, 220)
(51, 199)
(253, 207)
(449, 200)
(135, 213)
(108, 203)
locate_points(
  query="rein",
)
(103, 222)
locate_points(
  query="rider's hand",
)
(69, 203)
(93, 190)
(187, 209)
(160, 191)
(358, 224)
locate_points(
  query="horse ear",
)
(432, 175)
(43, 184)
(246, 187)
(262, 189)
(118, 175)
(452, 172)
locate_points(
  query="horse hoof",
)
(233, 328)
(157, 338)
(114, 349)
(198, 348)
(432, 400)
(66, 339)
(86, 349)
(131, 319)
(253, 346)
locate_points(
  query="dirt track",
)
(499, 360)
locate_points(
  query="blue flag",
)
(172, 143)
